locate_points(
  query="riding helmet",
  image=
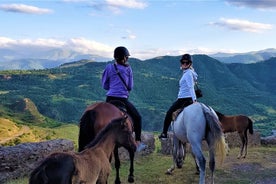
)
(121, 52)
(186, 57)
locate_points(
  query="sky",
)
(148, 28)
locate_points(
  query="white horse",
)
(195, 123)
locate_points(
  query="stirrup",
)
(163, 136)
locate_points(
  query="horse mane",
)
(219, 114)
(112, 125)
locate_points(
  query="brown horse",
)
(239, 123)
(95, 118)
(90, 166)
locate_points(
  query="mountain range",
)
(41, 59)
(62, 93)
(249, 57)
(35, 58)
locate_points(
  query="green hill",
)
(61, 94)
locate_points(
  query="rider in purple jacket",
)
(117, 79)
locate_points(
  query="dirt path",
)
(258, 167)
(23, 130)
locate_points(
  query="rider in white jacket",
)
(186, 94)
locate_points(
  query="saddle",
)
(176, 113)
(120, 105)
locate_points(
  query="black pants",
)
(133, 112)
(178, 104)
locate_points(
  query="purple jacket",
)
(112, 82)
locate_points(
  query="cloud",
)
(85, 46)
(130, 35)
(80, 45)
(157, 52)
(22, 8)
(135, 4)
(114, 6)
(259, 4)
(242, 25)
(34, 48)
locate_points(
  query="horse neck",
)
(107, 144)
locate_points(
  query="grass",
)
(258, 167)
(23, 133)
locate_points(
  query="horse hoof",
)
(168, 172)
(117, 182)
(130, 179)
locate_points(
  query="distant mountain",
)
(249, 57)
(41, 59)
(36, 58)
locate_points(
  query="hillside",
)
(61, 94)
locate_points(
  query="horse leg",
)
(117, 165)
(197, 168)
(200, 161)
(131, 168)
(175, 150)
(242, 146)
(246, 143)
(179, 151)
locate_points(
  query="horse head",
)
(124, 135)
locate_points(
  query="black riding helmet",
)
(120, 53)
(186, 57)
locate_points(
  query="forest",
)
(51, 97)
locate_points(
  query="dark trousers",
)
(178, 104)
(133, 112)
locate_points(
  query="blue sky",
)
(148, 28)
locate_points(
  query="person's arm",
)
(130, 80)
(105, 79)
(191, 83)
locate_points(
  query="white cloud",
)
(11, 43)
(242, 25)
(136, 4)
(75, 1)
(116, 6)
(157, 52)
(22, 8)
(80, 45)
(85, 46)
(259, 4)
(130, 35)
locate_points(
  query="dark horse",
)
(90, 166)
(239, 123)
(95, 118)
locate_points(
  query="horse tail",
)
(215, 131)
(86, 128)
(250, 126)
